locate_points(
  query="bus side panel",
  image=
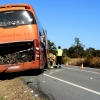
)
(40, 36)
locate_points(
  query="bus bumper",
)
(19, 67)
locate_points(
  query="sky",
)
(66, 19)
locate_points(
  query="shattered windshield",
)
(16, 17)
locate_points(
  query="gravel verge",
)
(16, 89)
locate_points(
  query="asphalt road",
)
(67, 83)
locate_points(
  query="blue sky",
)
(66, 19)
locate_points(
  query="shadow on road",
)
(8, 76)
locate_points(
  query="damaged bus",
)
(23, 41)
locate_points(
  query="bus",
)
(23, 40)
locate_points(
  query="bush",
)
(93, 62)
(87, 61)
(65, 59)
(76, 61)
(74, 55)
(90, 61)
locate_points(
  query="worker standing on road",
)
(59, 57)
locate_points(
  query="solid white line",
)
(95, 92)
(52, 72)
(84, 70)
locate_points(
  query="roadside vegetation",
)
(2, 97)
(16, 89)
(93, 62)
(76, 54)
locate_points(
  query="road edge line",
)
(95, 92)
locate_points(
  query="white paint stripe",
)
(95, 92)
(55, 71)
(84, 70)
(50, 72)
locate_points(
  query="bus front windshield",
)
(16, 18)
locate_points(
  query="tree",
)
(52, 47)
(65, 51)
(90, 52)
(78, 43)
(72, 52)
(76, 50)
(97, 53)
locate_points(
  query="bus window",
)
(16, 18)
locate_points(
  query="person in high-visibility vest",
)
(59, 56)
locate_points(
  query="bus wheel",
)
(40, 71)
(46, 65)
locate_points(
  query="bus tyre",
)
(46, 65)
(40, 71)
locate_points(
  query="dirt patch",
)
(15, 89)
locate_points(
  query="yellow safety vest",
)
(60, 52)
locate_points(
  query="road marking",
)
(50, 72)
(84, 70)
(55, 71)
(95, 92)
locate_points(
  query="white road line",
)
(95, 92)
(55, 71)
(84, 70)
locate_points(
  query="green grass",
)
(2, 97)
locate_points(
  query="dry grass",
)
(15, 89)
(66, 59)
(77, 61)
(93, 62)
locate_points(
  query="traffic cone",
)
(82, 68)
(67, 64)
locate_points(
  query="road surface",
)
(67, 83)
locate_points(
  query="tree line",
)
(76, 50)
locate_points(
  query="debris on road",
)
(16, 89)
(36, 95)
(91, 78)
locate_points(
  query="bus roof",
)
(26, 6)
